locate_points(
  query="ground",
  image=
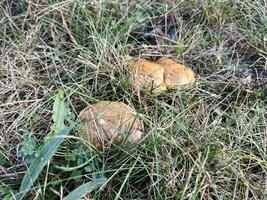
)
(208, 141)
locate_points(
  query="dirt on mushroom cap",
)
(107, 122)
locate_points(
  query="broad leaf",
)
(60, 111)
(59, 131)
(46, 153)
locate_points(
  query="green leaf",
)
(46, 153)
(4, 190)
(8, 193)
(8, 197)
(82, 190)
(51, 144)
(60, 111)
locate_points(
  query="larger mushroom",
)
(107, 122)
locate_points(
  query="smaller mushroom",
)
(159, 76)
(176, 74)
(107, 122)
(148, 75)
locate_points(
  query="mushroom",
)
(161, 75)
(148, 75)
(107, 122)
(176, 74)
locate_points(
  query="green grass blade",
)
(69, 169)
(39, 162)
(82, 190)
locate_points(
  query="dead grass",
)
(205, 142)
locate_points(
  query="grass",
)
(204, 142)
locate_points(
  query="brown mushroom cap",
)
(161, 75)
(107, 122)
(148, 75)
(176, 74)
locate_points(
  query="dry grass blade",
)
(202, 142)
